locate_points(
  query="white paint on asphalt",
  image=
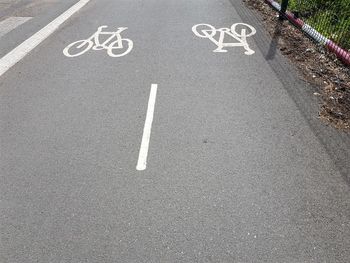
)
(114, 41)
(11, 23)
(208, 31)
(142, 161)
(14, 56)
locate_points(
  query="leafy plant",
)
(330, 17)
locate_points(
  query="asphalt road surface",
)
(151, 147)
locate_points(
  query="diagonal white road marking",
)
(11, 23)
(11, 58)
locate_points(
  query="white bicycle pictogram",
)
(208, 31)
(115, 45)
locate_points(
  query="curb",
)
(341, 53)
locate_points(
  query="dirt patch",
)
(317, 66)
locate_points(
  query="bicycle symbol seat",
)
(115, 45)
(208, 31)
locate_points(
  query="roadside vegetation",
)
(329, 17)
(329, 78)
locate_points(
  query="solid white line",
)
(11, 58)
(142, 162)
(11, 23)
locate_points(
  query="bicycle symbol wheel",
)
(243, 33)
(119, 45)
(204, 30)
(78, 48)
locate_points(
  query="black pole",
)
(283, 9)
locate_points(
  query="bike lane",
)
(243, 167)
(232, 171)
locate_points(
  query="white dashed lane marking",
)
(142, 161)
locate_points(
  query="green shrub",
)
(330, 17)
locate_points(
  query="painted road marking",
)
(142, 161)
(117, 48)
(11, 23)
(11, 58)
(208, 31)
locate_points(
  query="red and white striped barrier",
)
(341, 53)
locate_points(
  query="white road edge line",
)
(142, 161)
(15, 55)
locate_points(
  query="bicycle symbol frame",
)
(115, 45)
(208, 31)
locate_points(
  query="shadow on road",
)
(274, 41)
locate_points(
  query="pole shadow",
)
(274, 41)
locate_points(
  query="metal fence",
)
(330, 17)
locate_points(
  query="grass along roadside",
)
(329, 17)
